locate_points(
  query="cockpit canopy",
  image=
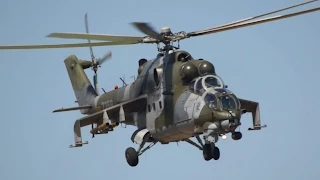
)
(204, 83)
(221, 99)
(214, 92)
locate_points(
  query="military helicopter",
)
(175, 97)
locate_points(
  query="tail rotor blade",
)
(104, 58)
(87, 31)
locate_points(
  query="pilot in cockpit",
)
(211, 100)
(227, 102)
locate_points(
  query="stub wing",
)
(72, 108)
(102, 118)
(253, 108)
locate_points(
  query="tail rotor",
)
(96, 62)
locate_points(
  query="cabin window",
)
(229, 102)
(154, 106)
(160, 105)
(149, 108)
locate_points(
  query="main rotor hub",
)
(166, 30)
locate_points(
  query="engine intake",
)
(157, 75)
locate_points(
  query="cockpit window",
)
(212, 82)
(199, 86)
(191, 86)
(211, 100)
(229, 102)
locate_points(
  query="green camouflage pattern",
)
(167, 98)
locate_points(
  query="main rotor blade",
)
(146, 29)
(265, 14)
(99, 37)
(46, 46)
(215, 30)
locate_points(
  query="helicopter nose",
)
(226, 115)
(207, 115)
(227, 120)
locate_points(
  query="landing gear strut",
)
(132, 156)
(140, 137)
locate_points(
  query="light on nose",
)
(224, 137)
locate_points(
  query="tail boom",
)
(82, 87)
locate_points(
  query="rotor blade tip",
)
(49, 35)
(135, 23)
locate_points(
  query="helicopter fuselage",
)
(175, 108)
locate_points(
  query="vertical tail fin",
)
(82, 87)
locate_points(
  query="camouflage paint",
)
(172, 112)
(81, 85)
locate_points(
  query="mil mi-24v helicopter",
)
(175, 97)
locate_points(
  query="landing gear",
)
(207, 155)
(236, 135)
(216, 153)
(132, 156)
(210, 151)
(140, 137)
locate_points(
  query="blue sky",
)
(276, 64)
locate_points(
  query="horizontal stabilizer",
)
(73, 108)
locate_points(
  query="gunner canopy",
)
(225, 101)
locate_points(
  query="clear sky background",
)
(276, 64)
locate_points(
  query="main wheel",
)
(215, 153)
(132, 156)
(236, 136)
(207, 155)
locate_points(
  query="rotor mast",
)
(168, 45)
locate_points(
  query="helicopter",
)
(175, 96)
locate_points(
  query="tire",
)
(207, 155)
(132, 156)
(215, 153)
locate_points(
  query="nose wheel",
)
(210, 151)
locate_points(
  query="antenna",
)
(134, 77)
(123, 82)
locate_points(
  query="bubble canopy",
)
(204, 83)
